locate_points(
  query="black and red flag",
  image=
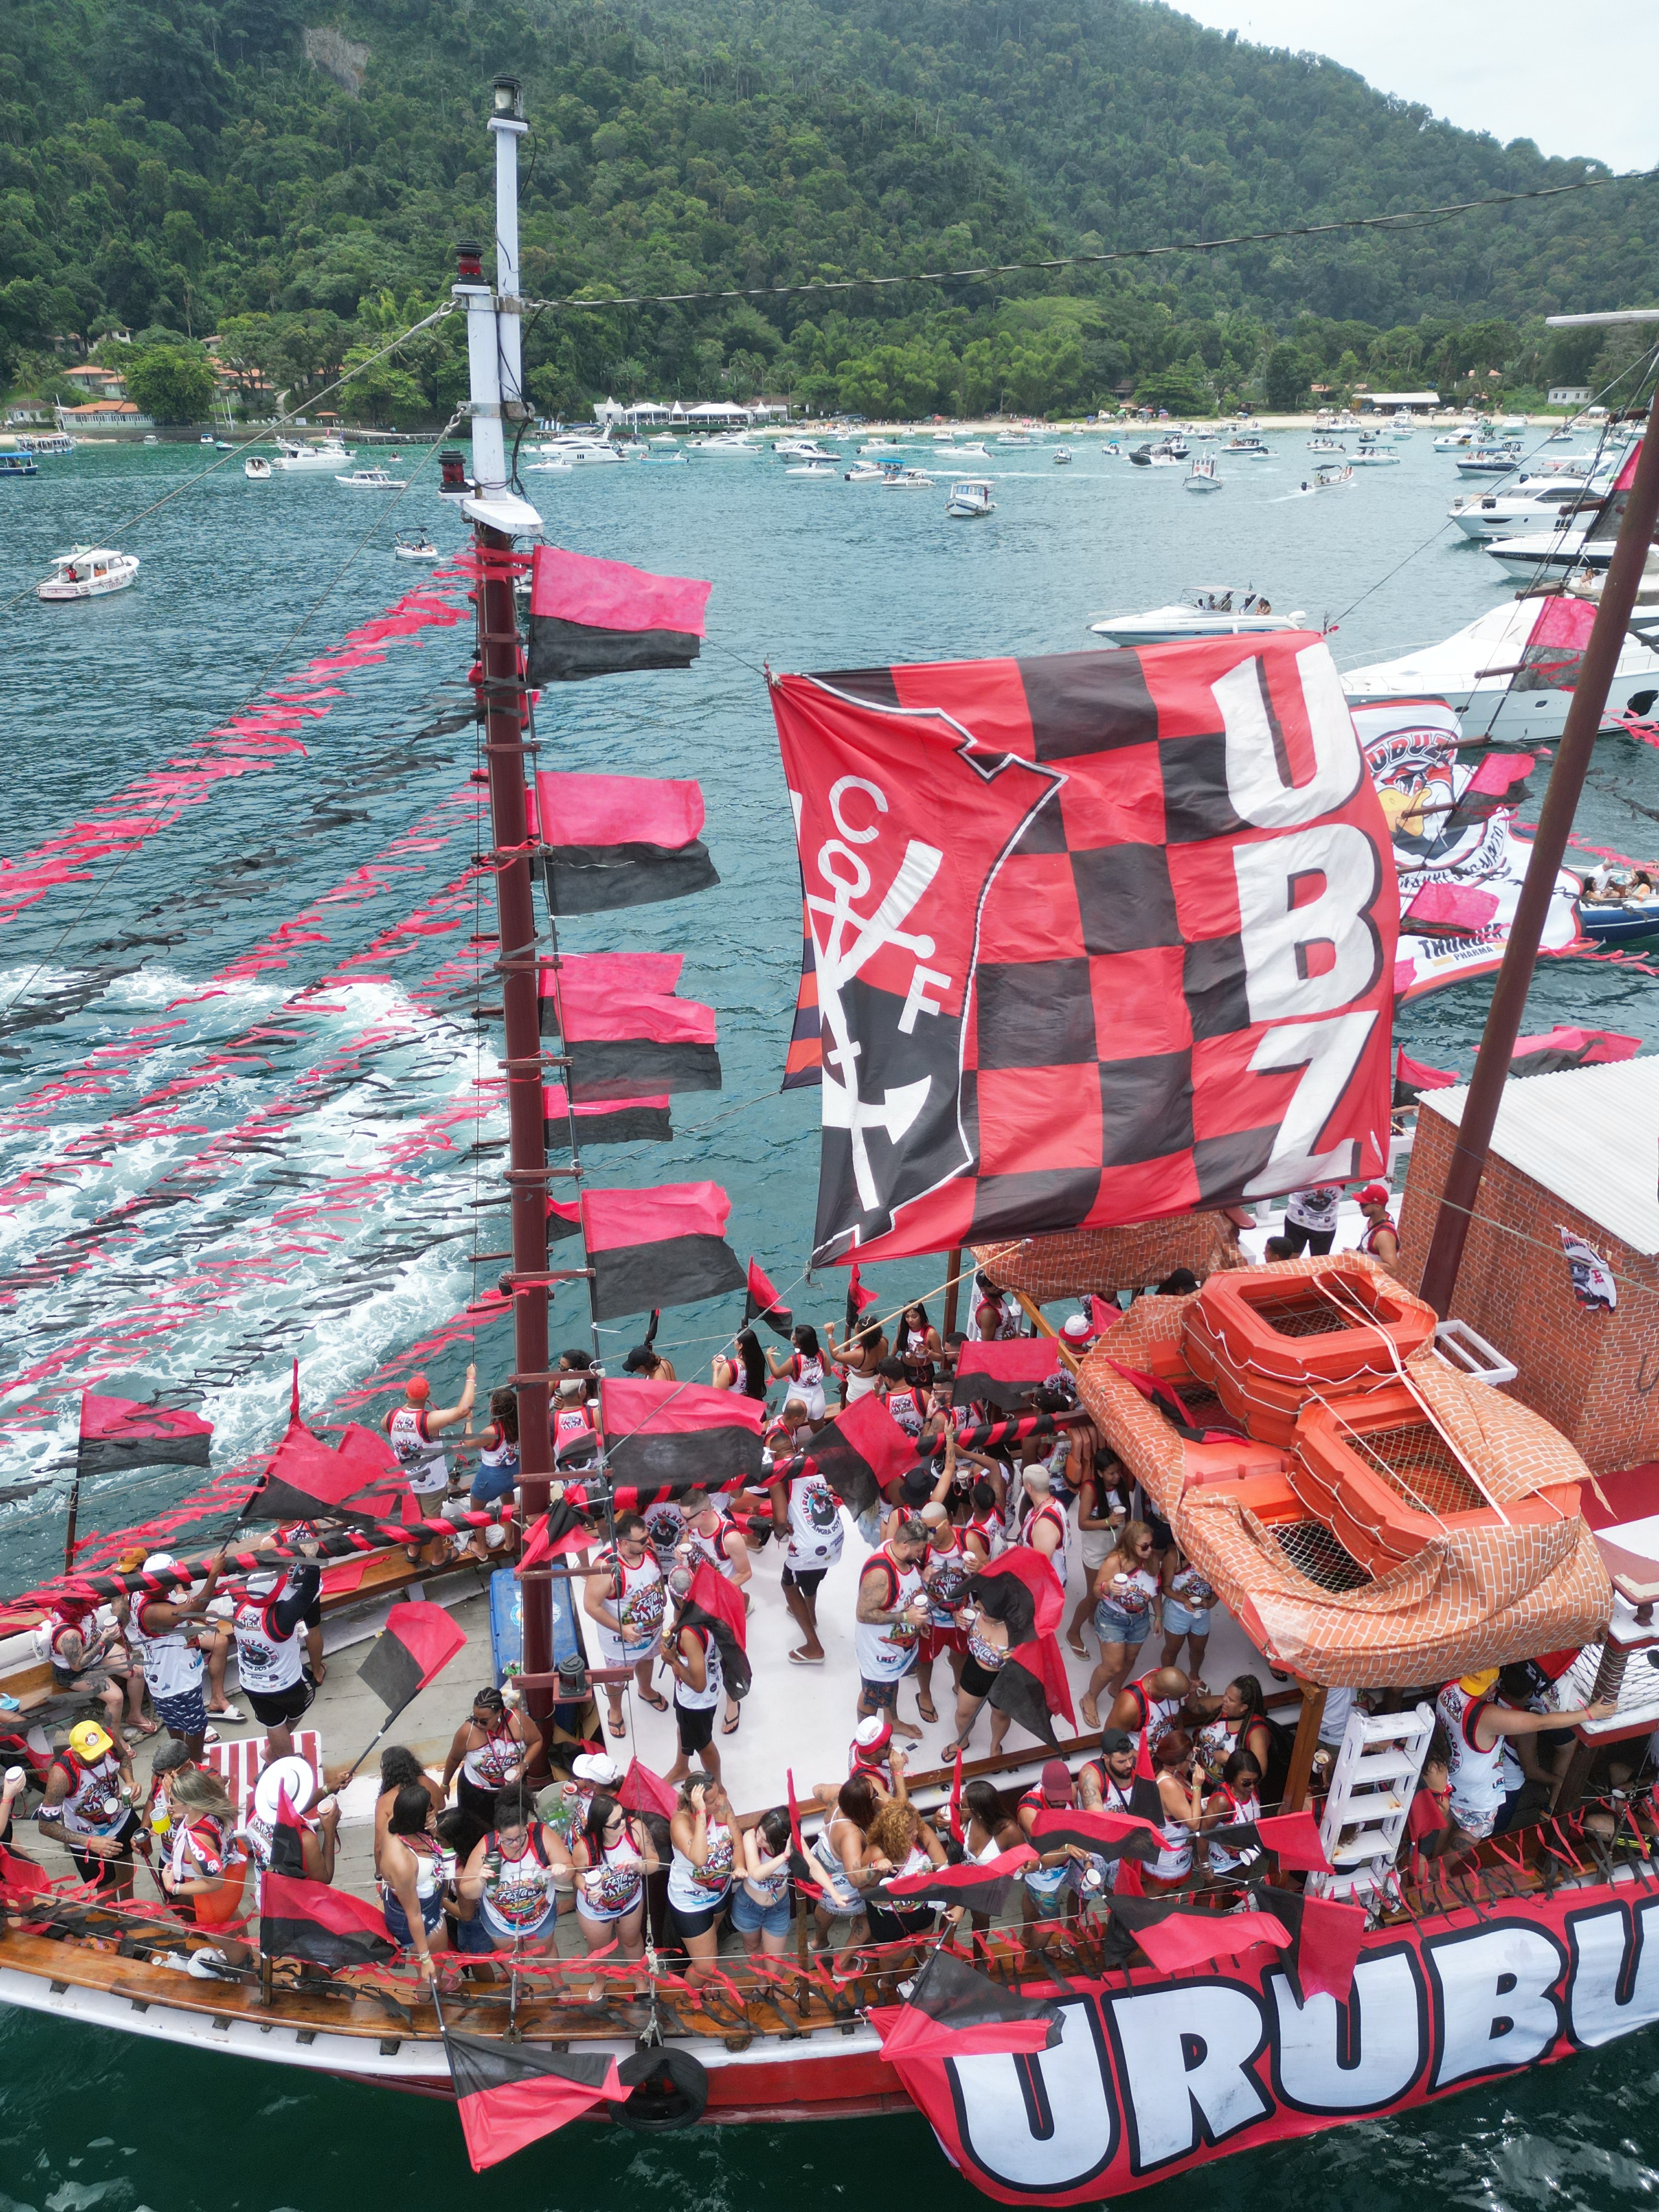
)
(1570, 1048)
(1326, 1938)
(803, 1064)
(310, 1481)
(417, 1643)
(1022, 1591)
(1097, 938)
(763, 1302)
(953, 2011)
(715, 1604)
(1004, 1372)
(861, 1451)
(625, 1032)
(560, 1528)
(1138, 1833)
(652, 1247)
(680, 1435)
(509, 2096)
(117, 1433)
(300, 1919)
(617, 841)
(1177, 1938)
(980, 1886)
(612, 1121)
(591, 618)
(1411, 1078)
(1293, 1838)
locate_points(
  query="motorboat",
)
(224, 444)
(581, 452)
(1536, 502)
(1617, 907)
(824, 468)
(876, 448)
(87, 572)
(1015, 438)
(1327, 446)
(1202, 611)
(324, 458)
(1330, 476)
(725, 441)
(1491, 461)
(653, 458)
(1164, 455)
(1474, 671)
(973, 448)
(18, 465)
(863, 471)
(414, 545)
(968, 499)
(1062, 457)
(1248, 447)
(807, 449)
(1455, 441)
(1368, 454)
(373, 480)
(206, 439)
(896, 477)
(256, 469)
(1532, 556)
(1202, 477)
(46, 441)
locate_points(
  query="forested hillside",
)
(292, 175)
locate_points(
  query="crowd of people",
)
(490, 1855)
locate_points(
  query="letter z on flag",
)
(1094, 939)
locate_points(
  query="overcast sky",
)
(1576, 79)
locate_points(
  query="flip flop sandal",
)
(617, 1723)
(806, 1659)
(927, 1712)
(730, 1727)
(226, 1713)
(655, 1699)
(1081, 1650)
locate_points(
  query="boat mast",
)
(499, 516)
(1572, 759)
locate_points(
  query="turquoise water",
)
(807, 575)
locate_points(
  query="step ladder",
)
(1373, 1784)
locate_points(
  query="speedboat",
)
(206, 439)
(1452, 441)
(1491, 461)
(1247, 447)
(1062, 457)
(654, 457)
(725, 441)
(1327, 446)
(975, 448)
(1531, 557)
(256, 469)
(372, 480)
(895, 477)
(1164, 455)
(1618, 908)
(1015, 438)
(863, 471)
(414, 546)
(580, 452)
(1202, 477)
(1203, 610)
(824, 468)
(808, 449)
(968, 499)
(1370, 455)
(324, 458)
(18, 465)
(87, 572)
(1329, 476)
(1473, 671)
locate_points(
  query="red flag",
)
(117, 1433)
(1293, 1838)
(807, 1888)
(1043, 1657)
(558, 1530)
(1199, 1939)
(417, 1643)
(300, 1919)
(953, 2011)
(1075, 1824)
(20, 1877)
(1102, 1313)
(509, 2096)
(858, 1298)
(905, 2032)
(956, 1829)
(1328, 1946)
(764, 1304)
(642, 1791)
(1004, 1374)
(1145, 1771)
(1030, 1568)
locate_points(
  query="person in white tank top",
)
(626, 1598)
(416, 1428)
(711, 1537)
(806, 1368)
(892, 1610)
(1477, 1726)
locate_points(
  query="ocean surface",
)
(224, 1146)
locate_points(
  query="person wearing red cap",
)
(1381, 1238)
(417, 1429)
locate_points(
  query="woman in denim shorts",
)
(1126, 1595)
(762, 1910)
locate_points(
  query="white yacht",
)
(725, 441)
(968, 499)
(87, 572)
(806, 449)
(1530, 557)
(325, 459)
(1533, 503)
(1473, 671)
(373, 480)
(580, 452)
(256, 469)
(1203, 610)
(1490, 461)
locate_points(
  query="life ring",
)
(670, 2090)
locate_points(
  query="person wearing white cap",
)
(1077, 1333)
(167, 1645)
(564, 1804)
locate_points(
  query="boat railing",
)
(784, 1995)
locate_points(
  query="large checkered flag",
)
(1094, 939)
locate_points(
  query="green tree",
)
(170, 386)
(1285, 376)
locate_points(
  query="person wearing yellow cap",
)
(1478, 1724)
(89, 1805)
